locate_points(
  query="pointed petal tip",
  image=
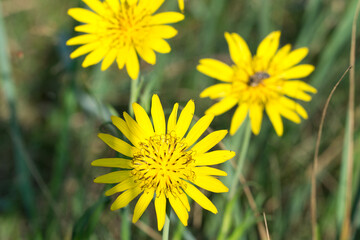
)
(113, 208)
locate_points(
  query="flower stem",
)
(166, 230)
(134, 93)
(243, 149)
(245, 135)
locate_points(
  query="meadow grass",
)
(52, 110)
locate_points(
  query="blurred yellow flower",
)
(162, 162)
(258, 83)
(121, 29)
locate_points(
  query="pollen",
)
(162, 162)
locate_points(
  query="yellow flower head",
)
(257, 83)
(121, 29)
(162, 164)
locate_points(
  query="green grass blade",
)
(22, 178)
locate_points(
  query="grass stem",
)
(316, 156)
(346, 228)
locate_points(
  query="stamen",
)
(162, 162)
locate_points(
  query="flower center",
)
(162, 163)
(129, 26)
(257, 78)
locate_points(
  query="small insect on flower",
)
(257, 83)
(119, 30)
(162, 163)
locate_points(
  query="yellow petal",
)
(147, 54)
(295, 89)
(210, 183)
(125, 198)
(239, 117)
(198, 129)
(157, 114)
(181, 5)
(155, 5)
(239, 50)
(300, 85)
(132, 64)
(87, 28)
(268, 47)
(113, 177)
(84, 49)
(122, 57)
(159, 45)
(214, 157)
(117, 144)
(163, 31)
(299, 71)
(216, 91)
(143, 119)
(209, 141)
(142, 204)
(109, 58)
(132, 2)
(82, 39)
(122, 186)
(179, 208)
(135, 128)
(209, 171)
(160, 208)
(293, 58)
(166, 18)
(288, 113)
(113, 162)
(96, 6)
(114, 5)
(84, 15)
(215, 69)
(275, 119)
(224, 105)
(185, 118)
(279, 57)
(94, 57)
(200, 198)
(124, 129)
(172, 118)
(184, 200)
(256, 114)
(295, 106)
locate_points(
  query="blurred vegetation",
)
(51, 110)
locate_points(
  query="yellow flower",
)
(258, 83)
(162, 162)
(120, 30)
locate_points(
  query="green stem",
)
(125, 224)
(134, 93)
(243, 148)
(242, 155)
(166, 230)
